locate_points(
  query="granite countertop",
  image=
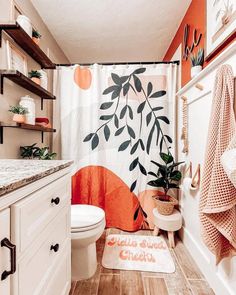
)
(17, 173)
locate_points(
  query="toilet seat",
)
(86, 217)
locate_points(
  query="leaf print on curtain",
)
(120, 124)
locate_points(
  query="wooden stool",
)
(169, 223)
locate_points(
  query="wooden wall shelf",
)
(27, 44)
(27, 127)
(26, 83)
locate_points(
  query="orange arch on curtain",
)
(97, 185)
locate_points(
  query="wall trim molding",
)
(214, 278)
(229, 51)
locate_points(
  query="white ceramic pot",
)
(195, 70)
(25, 23)
(28, 102)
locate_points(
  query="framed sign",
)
(220, 24)
(16, 60)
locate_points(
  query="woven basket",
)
(165, 207)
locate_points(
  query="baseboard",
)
(210, 271)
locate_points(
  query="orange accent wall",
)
(196, 18)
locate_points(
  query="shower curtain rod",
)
(122, 63)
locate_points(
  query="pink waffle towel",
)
(218, 195)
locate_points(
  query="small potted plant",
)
(35, 76)
(197, 62)
(36, 36)
(29, 151)
(45, 154)
(19, 113)
(166, 177)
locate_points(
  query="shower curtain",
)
(113, 121)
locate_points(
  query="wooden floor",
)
(186, 280)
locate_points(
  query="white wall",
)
(14, 138)
(222, 278)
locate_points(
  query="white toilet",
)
(87, 225)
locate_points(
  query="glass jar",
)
(28, 102)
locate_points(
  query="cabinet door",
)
(4, 252)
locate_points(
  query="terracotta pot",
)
(165, 206)
(36, 40)
(19, 118)
(36, 80)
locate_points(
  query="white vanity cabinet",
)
(37, 225)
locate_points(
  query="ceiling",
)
(112, 30)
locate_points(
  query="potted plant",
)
(166, 177)
(35, 76)
(44, 154)
(36, 36)
(35, 152)
(19, 113)
(197, 62)
(29, 151)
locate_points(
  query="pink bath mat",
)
(131, 252)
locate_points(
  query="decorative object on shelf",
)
(43, 79)
(28, 102)
(25, 23)
(220, 25)
(184, 135)
(36, 36)
(167, 177)
(43, 122)
(35, 152)
(197, 62)
(19, 113)
(16, 60)
(196, 40)
(35, 76)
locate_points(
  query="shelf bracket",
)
(1, 135)
(42, 136)
(0, 38)
(41, 103)
(1, 83)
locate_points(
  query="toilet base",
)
(84, 262)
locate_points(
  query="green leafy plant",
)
(35, 152)
(18, 109)
(35, 74)
(36, 34)
(44, 154)
(167, 175)
(198, 58)
(29, 151)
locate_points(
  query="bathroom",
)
(117, 147)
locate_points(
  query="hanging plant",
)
(122, 86)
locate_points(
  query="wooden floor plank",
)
(200, 287)
(186, 262)
(154, 286)
(131, 283)
(90, 286)
(109, 285)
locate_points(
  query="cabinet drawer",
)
(60, 282)
(31, 215)
(36, 268)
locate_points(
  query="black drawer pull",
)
(56, 201)
(55, 247)
(6, 243)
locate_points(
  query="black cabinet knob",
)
(55, 247)
(56, 201)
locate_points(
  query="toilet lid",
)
(83, 216)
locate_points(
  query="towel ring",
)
(196, 177)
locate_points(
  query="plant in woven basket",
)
(166, 177)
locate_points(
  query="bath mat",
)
(133, 252)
